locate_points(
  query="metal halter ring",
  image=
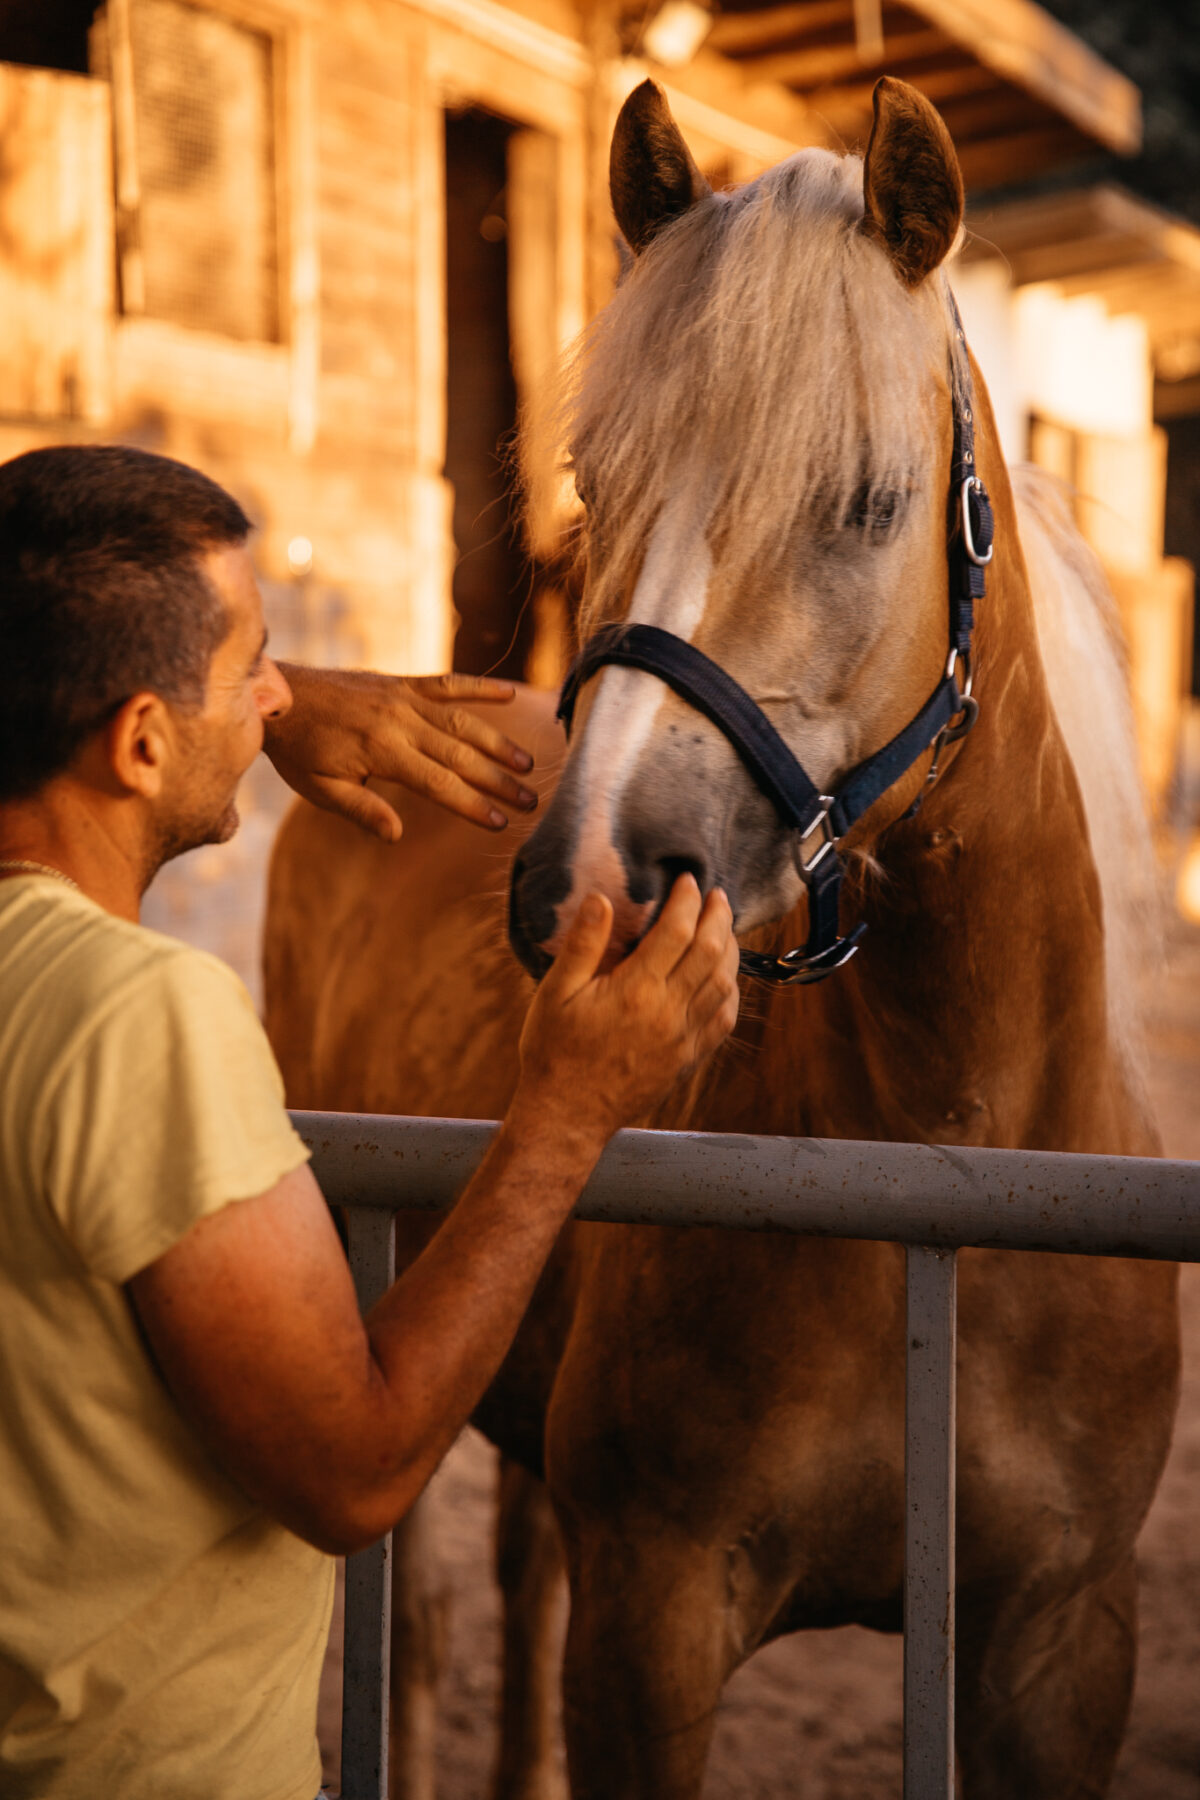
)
(981, 562)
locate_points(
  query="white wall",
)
(986, 301)
(1065, 359)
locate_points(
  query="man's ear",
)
(138, 743)
(912, 184)
(652, 175)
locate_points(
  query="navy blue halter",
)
(820, 820)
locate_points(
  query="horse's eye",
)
(875, 510)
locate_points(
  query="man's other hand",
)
(603, 1050)
(347, 726)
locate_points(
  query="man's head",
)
(131, 639)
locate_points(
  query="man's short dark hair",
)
(102, 595)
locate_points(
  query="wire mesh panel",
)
(204, 109)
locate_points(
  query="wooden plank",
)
(118, 52)
(464, 68)
(761, 120)
(812, 68)
(993, 162)
(1029, 48)
(199, 376)
(868, 29)
(299, 209)
(1151, 288)
(1177, 399)
(999, 113)
(1082, 260)
(56, 224)
(742, 33)
(852, 100)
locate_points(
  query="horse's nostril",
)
(675, 866)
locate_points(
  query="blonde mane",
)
(761, 347)
(1083, 653)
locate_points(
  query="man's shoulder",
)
(62, 955)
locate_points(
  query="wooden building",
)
(325, 249)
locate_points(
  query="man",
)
(194, 1419)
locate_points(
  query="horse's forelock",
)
(764, 345)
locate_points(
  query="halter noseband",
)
(820, 820)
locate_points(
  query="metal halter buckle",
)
(981, 562)
(823, 826)
(797, 969)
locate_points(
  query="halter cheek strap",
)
(821, 820)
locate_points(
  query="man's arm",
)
(346, 726)
(335, 1427)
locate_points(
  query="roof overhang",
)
(1019, 92)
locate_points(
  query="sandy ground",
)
(817, 1716)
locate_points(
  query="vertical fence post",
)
(930, 1398)
(366, 1664)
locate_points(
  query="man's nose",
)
(275, 696)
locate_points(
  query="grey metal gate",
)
(934, 1201)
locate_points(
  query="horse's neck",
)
(976, 1009)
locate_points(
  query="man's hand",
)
(346, 726)
(600, 1051)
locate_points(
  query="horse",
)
(765, 425)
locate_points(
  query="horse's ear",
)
(652, 176)
(912, 184)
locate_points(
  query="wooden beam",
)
(853, 99)
(1150, 288)
(993, 162)
(1177, 399)
(740, 34)
(763, 121)
(812, 68)
(1082, 259)
(1084, 234)
(996, 114)
(1029, 48)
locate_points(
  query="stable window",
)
(194, 99)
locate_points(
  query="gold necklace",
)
(21, 866)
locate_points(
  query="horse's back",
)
(388, 982)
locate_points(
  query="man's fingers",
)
(584, 945)
(710, 942)
(673, 930)
(436, 782)
(474, 767)
(358, 804)
(433, 695)
(484, 688)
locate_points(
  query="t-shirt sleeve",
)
(168, 1109)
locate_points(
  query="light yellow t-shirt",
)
(160, 1637)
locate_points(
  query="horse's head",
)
(760, 426)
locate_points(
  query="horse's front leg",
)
(529, 1569)
(650, 1643)
(1044, 1690)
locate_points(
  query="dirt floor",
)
(817, 1716)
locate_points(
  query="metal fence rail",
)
(933, 1200)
